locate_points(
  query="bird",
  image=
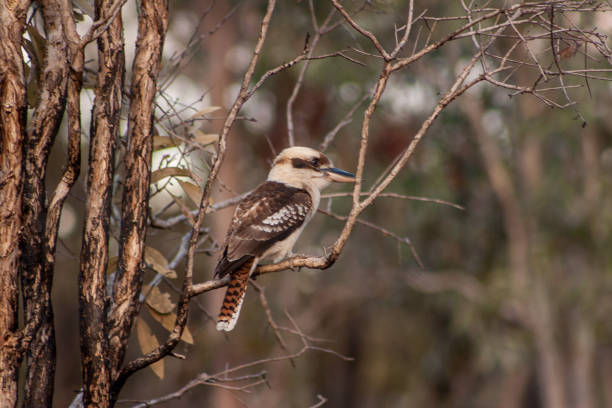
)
(268, 221)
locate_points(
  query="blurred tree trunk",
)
(530, 294)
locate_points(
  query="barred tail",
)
(232, 302)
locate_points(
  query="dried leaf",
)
(113, 263)
(78, 17)
(167, 321)
(147, 342)
(208, 109)
(193, 192)
(160, 301)
(158, 262)
(569, 51)
(204, 138)
(39, 43)
(33, 93)
(157, 175)
(162, 142)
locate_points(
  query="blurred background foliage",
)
(454, 334)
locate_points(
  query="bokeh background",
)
(455, 333)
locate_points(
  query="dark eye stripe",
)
(314, 163)
(300, 163)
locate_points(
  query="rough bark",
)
(93, 302)
(12, 130)
(152, 26)
(36, 275)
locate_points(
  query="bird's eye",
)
(315, 162)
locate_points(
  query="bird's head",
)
(303, 167)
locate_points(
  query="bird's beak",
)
(338, 175)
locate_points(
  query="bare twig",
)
(271, 322)
(400, 196)
(298, 83)
(329, 137)
(365, 32)
(278, 69)
(404, 240)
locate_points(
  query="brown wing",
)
(268, 215)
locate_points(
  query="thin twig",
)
(404, 240)
(400, 196)
(271, 322)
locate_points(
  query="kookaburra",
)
(268, 221)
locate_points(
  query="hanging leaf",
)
(160, 301)
(204, 138)
(31, 73)
(193, 192)
(569, 51)
(167, 321)
(147, 342)
(33, 66)
(206, 141)
(158, 262)
(162, 142)
(78, 17)
(113, 263)
(157, 175)
(205, 111)
(39, 44)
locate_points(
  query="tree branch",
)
(36, 259)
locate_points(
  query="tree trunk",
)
(152, 26)
(36, 274)
(93, 301)
(12, 130)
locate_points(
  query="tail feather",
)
(232, 302)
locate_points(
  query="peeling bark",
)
(93, 301)
(12, 131)
(152, 26)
